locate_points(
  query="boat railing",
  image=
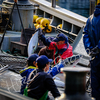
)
(6, 95)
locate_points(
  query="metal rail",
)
(6, 95)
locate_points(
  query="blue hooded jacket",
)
(91, 38)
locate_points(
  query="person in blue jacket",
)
(41, 81)
(91, 42)
(31, 65)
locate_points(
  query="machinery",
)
(26, 12)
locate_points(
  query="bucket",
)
(26, 35)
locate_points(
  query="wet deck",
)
(11, 82)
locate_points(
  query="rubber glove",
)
(39, 31)
(95, 51)
(56, 69)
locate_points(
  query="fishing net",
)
(10, 66)
(15, 63)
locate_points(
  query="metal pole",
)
(92, 6)
(7, 26)
(22, 24)
(53, 3)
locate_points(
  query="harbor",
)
(14, 46)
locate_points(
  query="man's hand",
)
(39, 31)
(88, 51)
(62, 62)
(95, 51)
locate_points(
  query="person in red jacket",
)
(60, 46)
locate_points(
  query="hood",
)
(97, 11)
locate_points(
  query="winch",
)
(26, 13)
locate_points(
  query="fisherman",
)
(91, 42)
(31, 65)
(59, 45)
(41, 82)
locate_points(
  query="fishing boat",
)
(21, 22)
(72, 23)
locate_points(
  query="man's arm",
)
(86, 40)
(45, 41)
(51, 86)
(23, 72)
(56, 69)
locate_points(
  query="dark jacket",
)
(91, 38)
(47, 52)
(40, 83)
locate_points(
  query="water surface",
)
(80, 7)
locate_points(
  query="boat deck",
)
(11, 82)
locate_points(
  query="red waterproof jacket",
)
(64, 50)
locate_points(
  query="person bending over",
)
(59, 45)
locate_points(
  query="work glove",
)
(95, 51)
(56, 69)
(40, 31)
(88, 51)
(62, 62)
